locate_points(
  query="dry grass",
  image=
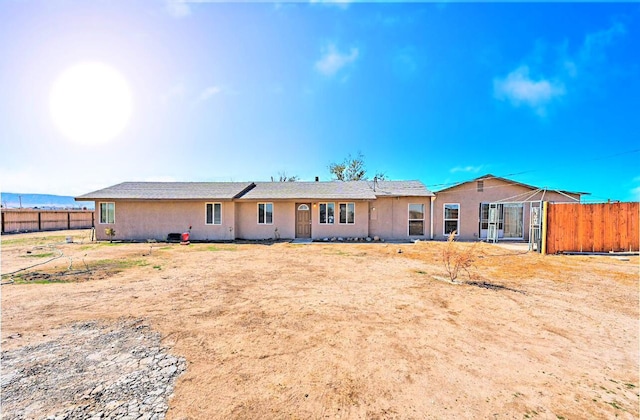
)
(357, 330)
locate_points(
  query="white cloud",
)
(519, 88)
(177, 8)
(468, 168)
(332, 60)
(581, 69)
(596, 42)
(209, 92)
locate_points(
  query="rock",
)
(168, 361)
(340, 239)
(168, 371)
(376, 238)
(130, 376)
(399, 251)
(368, 239)
(112, 405)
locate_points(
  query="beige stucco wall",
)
(469, 199)
(389, 217)
(284, 219)
(247, 226)
(142, 220)
(359, 229)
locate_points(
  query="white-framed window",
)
(347, 213)
(107, 213)
(451, 218)
(416, 219)
(326, 213)
(213, 214)
(265, 213)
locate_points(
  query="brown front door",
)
(303, 220)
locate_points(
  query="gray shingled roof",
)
(331, 190)
(336, 190)
(400, 189)
(169, 191)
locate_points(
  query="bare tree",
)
(282, 177)
(351, 169)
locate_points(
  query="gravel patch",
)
(91, 371)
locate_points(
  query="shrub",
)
(457, 257)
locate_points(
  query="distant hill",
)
(46, 201)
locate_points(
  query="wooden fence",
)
(574, 227)
(28, 220)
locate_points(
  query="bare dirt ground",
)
(348, 330)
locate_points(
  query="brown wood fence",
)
(27, 220)
(574, 227)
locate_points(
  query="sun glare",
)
(90, 103)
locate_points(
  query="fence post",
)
(2, 218)
(39, 221)
(543, 251)
(69, 220)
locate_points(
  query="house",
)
(464, 207)
(391, 210)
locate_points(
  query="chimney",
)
(317, 179)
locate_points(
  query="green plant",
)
(457, 257)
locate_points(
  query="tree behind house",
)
(283, 177)
(351, 169)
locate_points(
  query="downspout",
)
(433, 198)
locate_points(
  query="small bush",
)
(456, 257)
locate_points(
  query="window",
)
(451, 218)
(107, 213)
(347, 213)
(480, 186)
(327, 211)
(416, 219)
(265, 213)
(214, 214)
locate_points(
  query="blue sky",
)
(546, 94)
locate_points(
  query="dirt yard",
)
(348, 330)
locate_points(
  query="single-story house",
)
(391, 210)
(464, 207)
